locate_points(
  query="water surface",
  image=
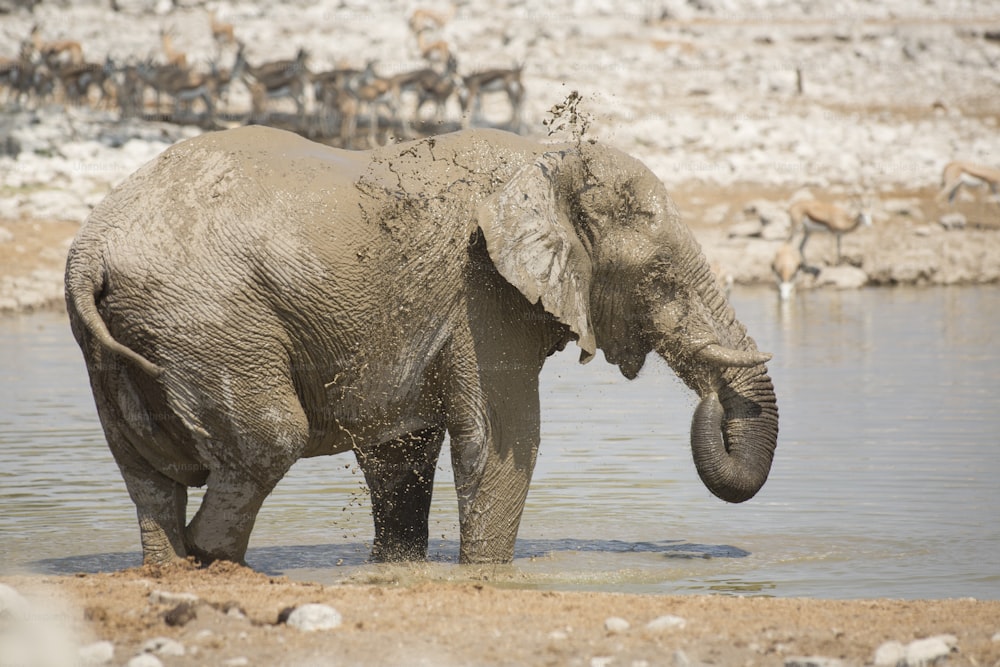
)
(884, 481)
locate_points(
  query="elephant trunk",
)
(734, 430)
(733, 438)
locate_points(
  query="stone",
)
(889, 653)
(98, 653)
(842, 277)
(952, 221)
(163, 646)
(144, 660)
(750, 228)
(12, 603)
(666, 622)
(930, 651)
(919, 653)
(616, 625)
(180, 615)
(312, 617)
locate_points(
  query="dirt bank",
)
(227, 615)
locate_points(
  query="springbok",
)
(958, 173)
(817, 216)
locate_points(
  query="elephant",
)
(249, 298)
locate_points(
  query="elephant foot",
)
(399, 552)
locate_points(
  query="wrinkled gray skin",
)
(249, 298)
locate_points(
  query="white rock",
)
(144, 660)
(310, 617)
(616, 624)
(98, 653)
(163, 646)
(889, 653)
(666, 622)
(12, 603)
(748, 228)
(842, 277)
(929, 651)
(240, 661)
(953, 220)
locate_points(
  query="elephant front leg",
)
(493, 468)
(491, 516)
(400, 476)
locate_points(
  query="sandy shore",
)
(228, 615)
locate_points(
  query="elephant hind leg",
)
(161, 505)
(400, 476)
(249, 446)
(160, 502)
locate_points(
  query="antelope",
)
(174, 57)
(817, 216)
(371, 92)
(331, 90)
(18, 75)
(956, 174)
(222, 32)
(429, 85)
(276, 79)
(426, 20)
(60, 52)
(77, 79)
(475, 85)
(785, 265)
(185, 87)
(129, 91)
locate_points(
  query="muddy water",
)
(886, 481)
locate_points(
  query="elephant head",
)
(592, 235)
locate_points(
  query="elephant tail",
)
(86, 279)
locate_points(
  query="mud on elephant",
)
(249, 298)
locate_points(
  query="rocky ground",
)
(740, 107)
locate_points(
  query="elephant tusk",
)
(717, 355)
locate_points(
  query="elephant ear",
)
(534, 246)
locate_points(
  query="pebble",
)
(930, 651)
(144, 660)
(918, 653)
(666, 622)
(310, 617)
(98, 653)
(889, 653)
(616, 625)
(12, 603)
(240, 661)
(952, 221)
(163, 646)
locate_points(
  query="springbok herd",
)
(326, 105)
